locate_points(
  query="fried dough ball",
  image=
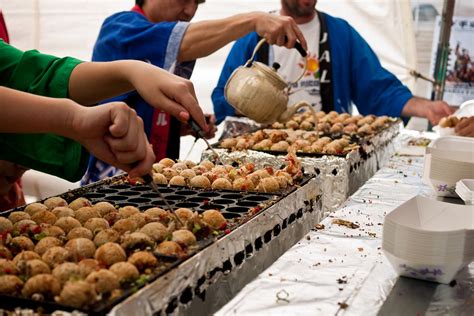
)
(178, 180)
(291, 124)
(158, 168)
(336, 128)
(265, 144)
(169, 173)
(156, 231)
(158, 178)
(105, 236)
(268, 185)
(187, 174)
(366, 120)
(167, 162)
(80, 232)
(158, 213)
(184, 214)
(184, 237)
(282, 182)
(137, 241)
(125, 272)
(43, 216)
(33, 267)
(34, 207)
(25, 256)
(67, 271)
(67, 223)
(5, 253)
(207, 164)
(104, 208)
(169, 248)
(80, 248)
(44, 284)
(104, 281)
(342, 117)
(52, 231)
(55, 256)
(143, 260)
(334, 148)
(125, 225)
(85, 213)
(301, 143)
(87, 266)
(7, 267)
(20, 243)
(79, 202)
(280, 146)
(189, 163)
(77, 294)
(128, 211)
(243, 184)
(221, 184)
(243, 144)
(10, 285)
(366, 129)
(6, 225)
(228, 143)
(324, 127)
(18, 216)
(307, 126)
(350, 129)
(24, 226)
(214, 219)
(179, 166)
(112, 218)
(96, 224)
(200, 182)
(46, 243)
(110, 253)
(63, 211)
(54, 202)
(141, 219)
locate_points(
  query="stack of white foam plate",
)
(447, 160)
(428, 239)
(465, 190)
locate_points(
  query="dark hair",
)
(139, 2)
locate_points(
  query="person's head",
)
(299, 8)
(169, 10)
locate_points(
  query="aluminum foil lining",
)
(342, 271)
(181, 287)
(234, 126)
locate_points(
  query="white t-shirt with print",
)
(292, 63)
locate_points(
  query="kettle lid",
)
(270, 73)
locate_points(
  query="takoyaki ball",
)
(6, 226)
(220, 170)
(214, 219)
(46, 243)
(156, 231)
(79, 202)
(110, 253)
(10, 285)
(259, 135)
(366, 129)
(35, 207)
(187, 174)
(243, 144)
(125, 225)
(320, 114)
(169, 173)
(179, 166)
(350, 129)
(88, 266)
(326, 120)
(169, 248)
(268, 185)
(210, 176)
(280, 146)
(292, 124)
(167, 162)
(125, 272)
(55, 256)
(366, 120)
(350, 120)
(157, 213)
(207, 164)
(341, 118)
(18, 216)
(137, 241)
(158, 178)
(379, 122)
(178, 180)
(44, 217)
(77, 294)
(324, 127)
(199, 170)
(7, 267)
(44, 284)
(67, 223)
(21, 243)
(63, 211)
(80, 232)
(336, 128)
(128, 211)
(33, 267)
(67, 271)
(344, 141)
(5, 253)
(105, 236)
(276, 136)
(265, 144)
(80, 248)
(301, 143)
(184, 237)
(104, 208)
(184, 214)
(221, 184)
(243, 184)
(307, 126)
(190, 164)
(141, 219)
(285, 174)
(104, 281)
(143, 260)
(95, 225)
(228, 143)
(54, 202)
(85, 213)
(333, 114)
(334, 148)
(25, 256)
(282, 182)
(200, 182)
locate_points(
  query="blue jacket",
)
(357, 75)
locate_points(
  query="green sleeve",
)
(48, 76)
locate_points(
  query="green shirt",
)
(44, 75)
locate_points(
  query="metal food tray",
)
(234, 205)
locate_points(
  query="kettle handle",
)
(259, 45)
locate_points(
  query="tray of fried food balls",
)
(92, 247)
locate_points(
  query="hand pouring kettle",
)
(260, 93)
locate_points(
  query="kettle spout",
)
(286, 116)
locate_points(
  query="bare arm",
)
(204, 38)
(432, 110)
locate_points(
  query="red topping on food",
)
(223, 226)
(227, 231)
(36, 229)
